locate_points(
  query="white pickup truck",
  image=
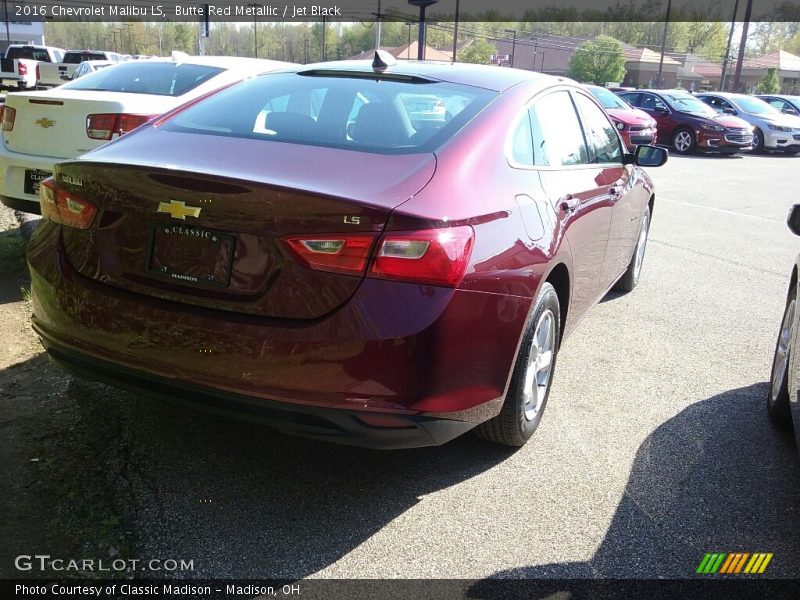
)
(53, 74)
(20, 65)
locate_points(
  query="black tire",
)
(512, 427)
(778, 407)
(630, 278)
(679, 146)
(758, 141)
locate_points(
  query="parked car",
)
(54, 74)
(772, 130)
(19, 67)
(635, 126)
(41, 128)
(90, 66)
(788, 105)
(688, 124)
(374, 287)
(784, 389)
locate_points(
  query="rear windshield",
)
(159, 78)
(29, 52)
(76, 58)
(363, 112)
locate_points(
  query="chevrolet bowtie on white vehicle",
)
(40, 129)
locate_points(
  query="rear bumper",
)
(416, 352)
(12, 178)
(330, 425)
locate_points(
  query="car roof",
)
(724, 94)
(485, 76)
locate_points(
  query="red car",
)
(292, 250)
(690, 125)
(635, 126)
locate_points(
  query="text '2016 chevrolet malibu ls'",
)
(292, 250)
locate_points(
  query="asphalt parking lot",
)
(655, 447)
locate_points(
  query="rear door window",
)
(601, 135)
(558, 138)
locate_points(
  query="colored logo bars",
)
(733, 563)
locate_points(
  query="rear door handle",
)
(569, 203)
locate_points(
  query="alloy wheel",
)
(757, 141)
(540, 365)
(782, 352)
(683, 141)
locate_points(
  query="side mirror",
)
(789, 111)
(661, 109)
(651, 156)
(793, 220)
(728, 111)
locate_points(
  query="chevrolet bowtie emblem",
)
(45, 122)
(178, 210)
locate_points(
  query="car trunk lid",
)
(209, 230)
(54, 125)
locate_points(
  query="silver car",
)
(772, 129)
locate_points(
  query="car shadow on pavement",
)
(13, 268)
(717, 477)
(239, 499)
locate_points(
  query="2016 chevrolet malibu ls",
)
(291, 249)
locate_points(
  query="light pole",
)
(255, 7)
(659, 83)
(728, 48)
(422, 4)
(513, 44)
(455, 33)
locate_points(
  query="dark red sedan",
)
(292, 250)
(689, 125)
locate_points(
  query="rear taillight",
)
(61, 206)
(104, 126)
(346, 254)
(8, 115)
(22, 68)
(37, 73)
(432, 256)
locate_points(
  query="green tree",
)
(479, 52)
(598, 61)
(770, 84)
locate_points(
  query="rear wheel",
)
(533, 372)
(629, 280)
(683, 141)
(778, 399)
